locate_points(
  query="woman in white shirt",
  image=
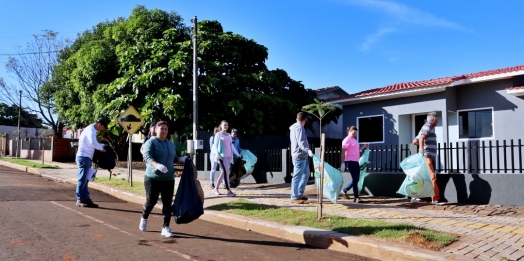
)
(223, 144)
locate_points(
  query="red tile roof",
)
(427, 83)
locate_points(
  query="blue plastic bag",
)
(333, 180)
(187, 205)
(250, 160)
(363, 162)
(418, 181)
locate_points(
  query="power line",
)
(10, 54)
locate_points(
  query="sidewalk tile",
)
(519, 231)
(491, 227)
(477, 225)
(485, 247)
(507, 229)
(463, 224)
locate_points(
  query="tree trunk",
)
(58, 130)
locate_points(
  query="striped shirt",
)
(430, 144)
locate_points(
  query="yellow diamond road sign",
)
(130, 120)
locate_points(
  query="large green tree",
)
(146, 61)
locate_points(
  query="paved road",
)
(39, 221)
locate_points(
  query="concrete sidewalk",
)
(482, 236)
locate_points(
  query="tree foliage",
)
(324, 112)
(9, 117)
(145, 60)
(32, 68)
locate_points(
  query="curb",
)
(319, 238)
(19, 167)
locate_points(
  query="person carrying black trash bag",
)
(159, 179)
(188, 205)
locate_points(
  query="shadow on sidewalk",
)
(243, 241)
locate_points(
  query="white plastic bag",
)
(418, 181)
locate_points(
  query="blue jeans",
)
(300, 178)
(354, 170)
(84, 164)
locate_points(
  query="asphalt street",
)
(39, 221)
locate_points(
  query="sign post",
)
(131, 121)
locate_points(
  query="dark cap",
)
(104, 121)
(234, 130)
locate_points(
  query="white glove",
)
(342, 167)
(182, 159)
(310, 153)
(161, 167)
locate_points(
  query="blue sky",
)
(355, 44)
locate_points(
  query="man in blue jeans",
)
(87, 144)
(299, 154)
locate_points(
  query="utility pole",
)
(195, 79)
(19, 120)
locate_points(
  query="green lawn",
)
(138, 187)
(29, 163)
(395, 232)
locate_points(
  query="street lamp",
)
(195, 79)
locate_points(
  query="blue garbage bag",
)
(250, 160)
(418, 181)
(187, 205)
(363, 162)
(333, 180)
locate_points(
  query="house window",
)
(476, 124)
(371, 128)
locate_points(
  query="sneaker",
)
(225, 186)
(212, 185)
(143, 224)
(346, 194)
(90, 203)
(216, 192)
(435, 202)
(231, 194)
(304, 198)
(417, 200)
(81, 204)
(298, 201)
(166, 232)
(357, 200)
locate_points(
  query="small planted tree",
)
(320, 110)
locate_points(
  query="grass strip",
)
(394, 232)
(30, 163)
(120, 183)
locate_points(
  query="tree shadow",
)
(244, 241)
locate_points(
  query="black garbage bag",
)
(105, 160)
(187, 205)
(236, 172)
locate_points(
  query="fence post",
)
(284, 162)
(205, 162)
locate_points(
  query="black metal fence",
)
(474, 157)
(267, 160)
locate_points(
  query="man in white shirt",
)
(87, 144)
